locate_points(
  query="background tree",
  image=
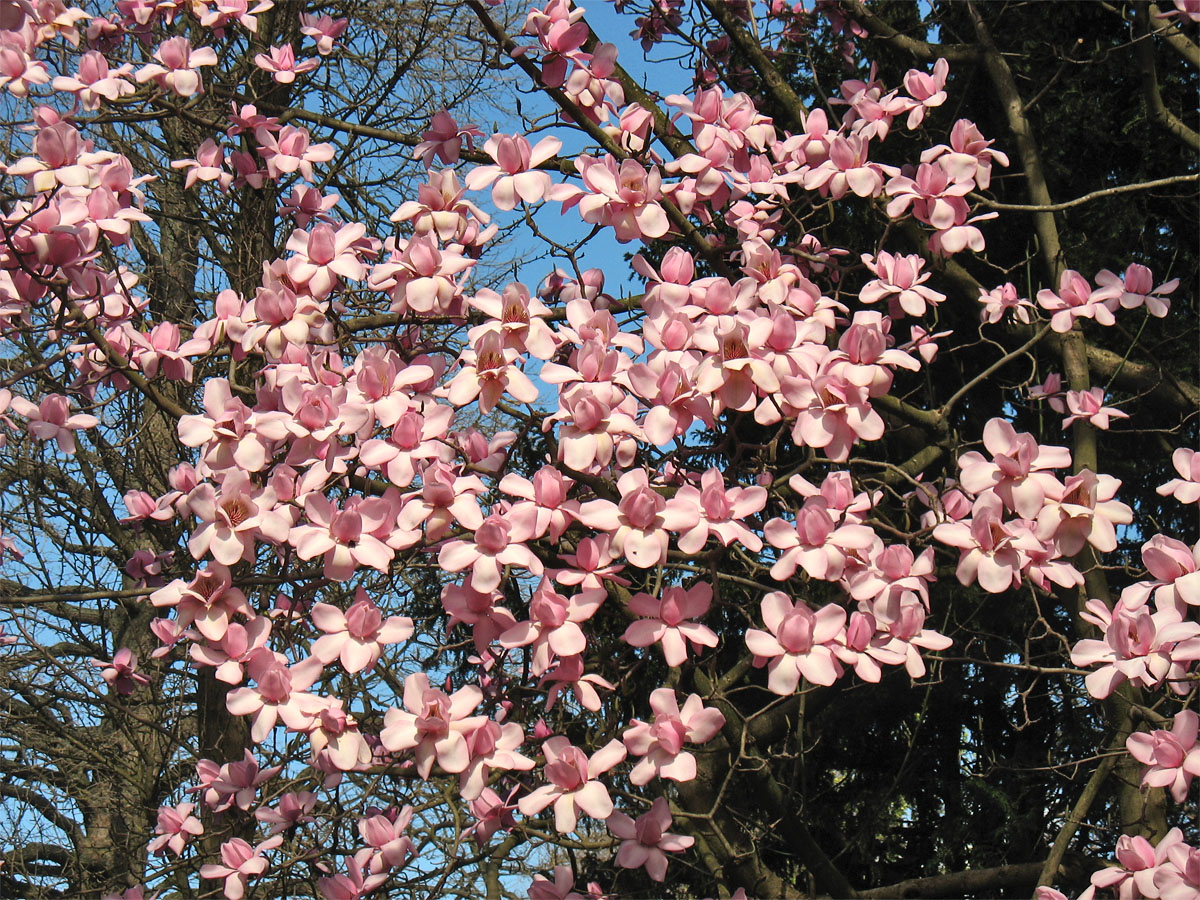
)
(339, 561)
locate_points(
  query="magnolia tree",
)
(707, 491)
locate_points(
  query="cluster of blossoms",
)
(342, 462)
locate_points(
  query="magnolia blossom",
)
(1138, 646)
(574, 786)
(669, 622)
(660, 743)
(1089, 406)
(798, 642)
(121, 674)
(179, 62)
(239, 863)
(640, 522)
(646, 841)
(516, 176)
(51, 419)
(433, 724)
(1185, 488)
(1172, 757)
(358, 635)
(176, 826)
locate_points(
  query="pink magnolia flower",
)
(444, 140)
(646, 841)
(668, 622)
(1138, 869)
(815, 542)
(434, 726)
(1018, 470)
(1137, 288)
(280, 693)
(489, 371)
(121, 674)
(899, 280)
(640, 522)
(989, 550)
(352, 886)
(358, 635)
(1076, 299)
(209, 601)
(94, 81)
(660, 743)
(1086, 514)
(346, 538)
(323, 30)
(1176, 571)
(1172, 757)
(723, 511)
(798, 642)
(847, 168)
(574, 786)
(233, 784)
(492, 746)
(239, 863)
(176, 826)
(927, 90)
(290, 151)
(1089, 405)
(561, 888)
(294, 808)
(324, 256)
(281, 62)
(498, 543)
(935, 196)
(385, 833)
(969, 156)
(515, 177)
(1138, 646)
(51, 419)
(1179, 879)
(1185, 488)
(179, 62)
(553, 624)
(1002, 299)
(624, 197)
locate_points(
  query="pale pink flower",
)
(498, 543)
(900, 281)
(293, 808)
(1018, 469)
(927, 90)
(815, 542)
(1089, 405)
(51, 419)
(660, 742)
(553, 624)
(94, 81)
(1002, 299)
(622, 196)
(515, 177)
(179, 62)
(121, 674)
(492, 746)
(646, 841)
(969, 156)
(668, 622)
(323, 30)
(574, 786)
(280, 693)
(1076, 299)
(1185, 488)
(640, 522)
(1137, 288)
(176, 826)
(433, 725)
(1172, 757)
(798, 642)
(358, 635)
(281, 62)
(489, 370)
(239, 863)
(723, 511)
(291, 151)
(1139, 646)
(444, 140)
(1086, 514)
(988, 546)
